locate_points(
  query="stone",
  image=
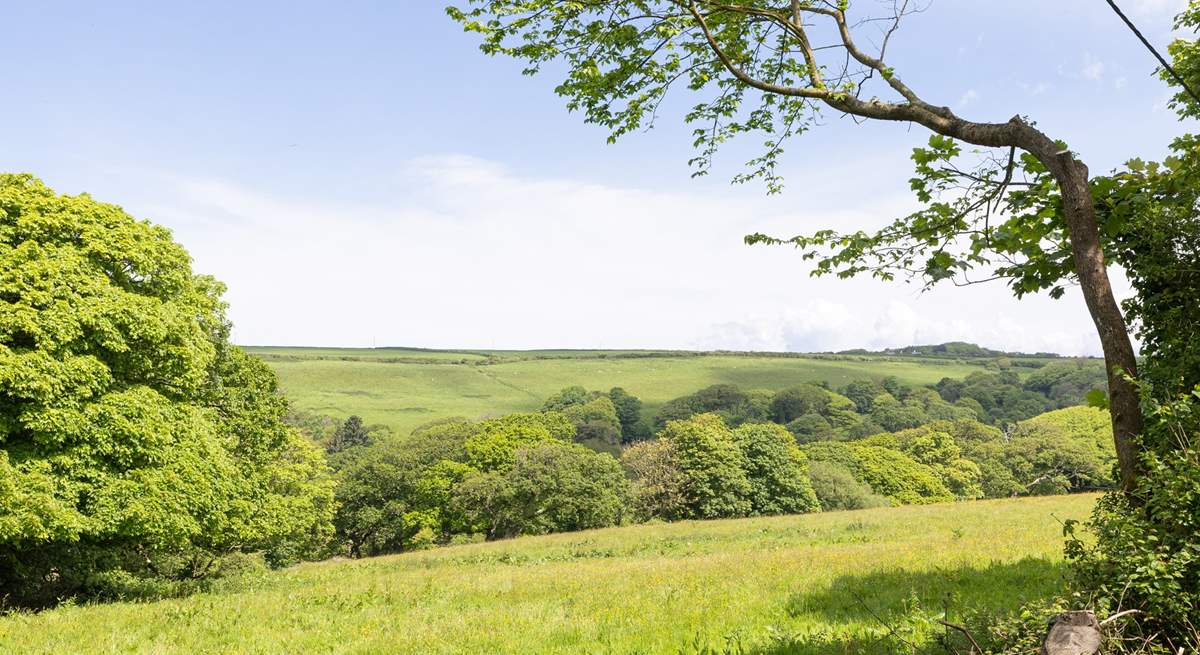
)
(1073, 633)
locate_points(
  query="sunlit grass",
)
(799, 584)
(383, 387)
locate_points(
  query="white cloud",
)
(465, 253)
(1093, 69)
(1159, 7)
(1035, 89)
(967, 98)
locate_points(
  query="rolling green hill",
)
(817, 583)
(405, 387)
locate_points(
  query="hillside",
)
(792, 584)
(405, 387)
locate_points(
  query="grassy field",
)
(404, 388)
(819, 583)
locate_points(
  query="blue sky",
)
(359, 173)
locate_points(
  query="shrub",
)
(836, 488)
(1146, 552)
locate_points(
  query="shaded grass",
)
(798, 584)
(404, 394)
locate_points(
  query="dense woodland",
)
(591, 459)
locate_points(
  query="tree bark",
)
(1083, 231)
(1123, 403)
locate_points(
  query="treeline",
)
(949, 349)
(814, 412)
(590, 459)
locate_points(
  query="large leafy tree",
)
(772, 67)
(134, 440)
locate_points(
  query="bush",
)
(836, 488)
(1146, 551)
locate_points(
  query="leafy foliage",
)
(712, 467)
(657, 481)
(131, 431)
(776, 469)
(1143, 553)
(551, 487)
(837, 489)
(350, 434)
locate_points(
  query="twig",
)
(965, 632)
(1118, 615)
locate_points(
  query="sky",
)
(359, 174)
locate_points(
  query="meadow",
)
(836, 582)
(403, 388)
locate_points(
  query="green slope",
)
(394, 387)
(819, 583)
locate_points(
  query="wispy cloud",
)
(1093, 69)
(467, 253)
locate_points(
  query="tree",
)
(811, 427)
(776, 469)
(763, 73)
(938, 450)
(862, 393)
(350, 434)
(550, 487)
(567, 397)
(893, 474)
(494, 442)
(893, 415)
(597, 425)
(1066, 383)
(135, 441)
(657, 481)
(836, 488)
(629, 413)
(731, 403)
(887, 471)
(711, 465)
(794, 402)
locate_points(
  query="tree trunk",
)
(1119, 358)
(1083, 231)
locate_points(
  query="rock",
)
(1073, 633)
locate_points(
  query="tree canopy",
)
(131, 431)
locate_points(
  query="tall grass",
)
(822, 583)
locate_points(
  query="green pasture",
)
(382, 386)
(819, 583)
